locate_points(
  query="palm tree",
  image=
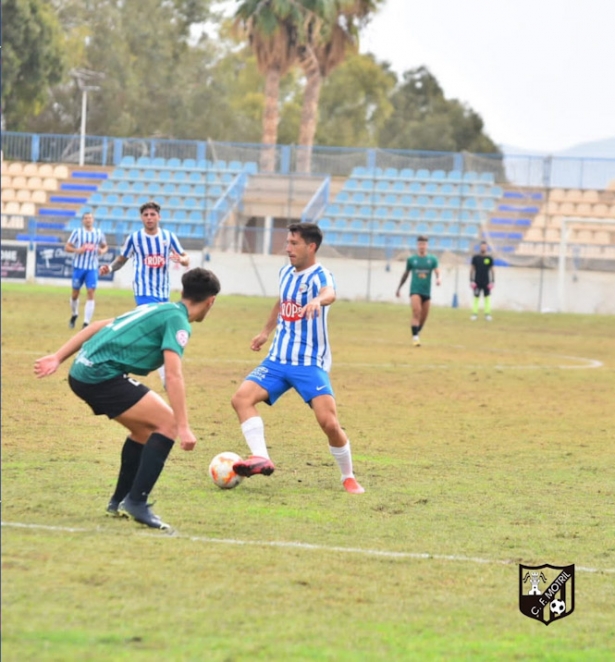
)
(333, 32)
(274, 29)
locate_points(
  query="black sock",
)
(419, 328)
(131, 456)
(153, 457)
(415, 330)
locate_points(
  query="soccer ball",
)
(221, 470)
(557, 607)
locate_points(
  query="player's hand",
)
(438, 281)
(46, 365)
(397, 294)
(104, 269)
(258, 341)
(175, 256)
(311, 310)
(472, 285)
(491, 286)
(187, 439)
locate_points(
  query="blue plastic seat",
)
(168, 189)
(144, 162)
(127, 161)
(342, 196)
(173, 163)
(189, 164)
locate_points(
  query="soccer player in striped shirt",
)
(152, 249)
(299, 357)
(86, 243)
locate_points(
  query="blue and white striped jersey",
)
(300, 341)
(92, 240)
(151, 255)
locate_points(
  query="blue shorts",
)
(142, 300)
(87, 276)
(276, 378)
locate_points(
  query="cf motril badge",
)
(546, 592)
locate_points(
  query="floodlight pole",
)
(82, 76)
(84, 110)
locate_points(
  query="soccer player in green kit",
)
(139, 342)
(421, 266)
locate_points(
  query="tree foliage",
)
(354, 103)
(424, 119)
(165, 76)
(33, 58)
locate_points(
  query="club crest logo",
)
(546, 592)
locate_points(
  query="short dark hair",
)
(150, 205)
(422, 237)
(199, 284)
(310, 232)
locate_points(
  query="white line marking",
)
(299, 545)
(584, 362)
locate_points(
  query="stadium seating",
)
(445, 205)
(185, 189)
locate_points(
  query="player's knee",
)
(329, 424)
(239, 400)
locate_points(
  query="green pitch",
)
(489, 446)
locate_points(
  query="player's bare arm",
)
(176, 392)
(118, 263)
(47, 365)
(272, 321)
(102, 248)
(437, 272)
(404, 278)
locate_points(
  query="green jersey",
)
(133, 343)
(421, 268)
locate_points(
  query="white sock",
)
(88, 313)
(343, 457)
(162, 375)
(74, 306)
(253, 431)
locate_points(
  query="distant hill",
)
(597, 149)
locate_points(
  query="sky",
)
(540, 73)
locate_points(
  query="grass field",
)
(489, 446)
